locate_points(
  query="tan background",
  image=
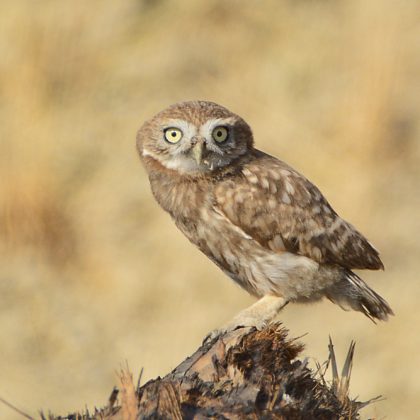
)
(93, 273)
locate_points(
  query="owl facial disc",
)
(195, 137)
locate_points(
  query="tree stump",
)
(244, 374)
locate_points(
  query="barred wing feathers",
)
(283, 211)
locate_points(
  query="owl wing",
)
(283, 211)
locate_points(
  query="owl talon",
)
(212, 335)
(219, 332)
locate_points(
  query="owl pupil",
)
(219, 133)
(173, 134)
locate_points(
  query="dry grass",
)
(93, 273)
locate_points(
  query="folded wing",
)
(283, 211)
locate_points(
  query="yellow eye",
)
(220, 134)
(173, 135)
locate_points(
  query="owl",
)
(262, 222)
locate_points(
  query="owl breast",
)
(190, 204)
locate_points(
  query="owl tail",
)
(351, 292)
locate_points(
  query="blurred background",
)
(93, 273)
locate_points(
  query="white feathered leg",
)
(257, 315)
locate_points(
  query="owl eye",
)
(173, 135)
(220, 134)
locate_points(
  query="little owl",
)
(263, 223)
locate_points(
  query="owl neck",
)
(181, 194)
(177, 193)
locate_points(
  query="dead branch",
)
(245, 374)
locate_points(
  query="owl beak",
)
(197, 152)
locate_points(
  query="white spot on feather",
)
(145, 152)
(334, 225)
(285, 198)
(253, 179)
(277, 243)
(316, 209)
(289, 187)
(265, 183)
(250, 176)
(316, 252)
(275, 175)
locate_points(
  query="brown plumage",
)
(264, 224)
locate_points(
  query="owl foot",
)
(232, 326)
(256, 316)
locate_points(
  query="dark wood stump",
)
(244, 374)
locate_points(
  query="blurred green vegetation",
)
(93, 273)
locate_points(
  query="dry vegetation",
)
(93, 273)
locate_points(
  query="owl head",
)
(194, 137)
